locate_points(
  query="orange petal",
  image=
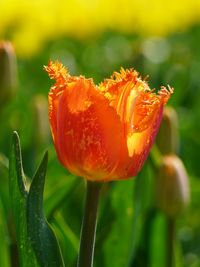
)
(57, 72)
(147, 116)
(140, 111)
(89, 132)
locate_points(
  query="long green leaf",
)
(4, 246)
(42, 237)
(114, 231)
(69, 241)
(18, 196)
(58, 194)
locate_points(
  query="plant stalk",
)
(170, 242)
(88, 229)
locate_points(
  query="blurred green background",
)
(95, 38)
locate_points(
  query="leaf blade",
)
(41, 235)
(18, 197)
(4, 246)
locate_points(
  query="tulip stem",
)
(88, 230)
(170, 242)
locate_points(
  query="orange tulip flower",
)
(103, 132)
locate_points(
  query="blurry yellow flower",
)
(22, 19)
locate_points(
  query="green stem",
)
(88, 230)
(155, 158)
(170, 242)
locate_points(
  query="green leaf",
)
(144, 216)
(18, 196)
(4, 185)
(69, 241)
(57, 195)
(115, 225)
(4, 161)
(4, 246)
(42, 237)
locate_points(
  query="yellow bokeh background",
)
(30, 24)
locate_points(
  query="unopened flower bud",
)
(8, 72)
(172, 187)
(167, 138)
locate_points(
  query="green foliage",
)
(116, 220)
(40, 233)
(18, 195)
(4, 251)
(37, 243)
(130, 230)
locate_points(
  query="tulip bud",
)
(40, 110)
(172, 187)
(167, 138)
(8, 72)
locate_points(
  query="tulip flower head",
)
(103, 132)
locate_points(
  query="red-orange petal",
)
(85, 142)
(140, 111)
